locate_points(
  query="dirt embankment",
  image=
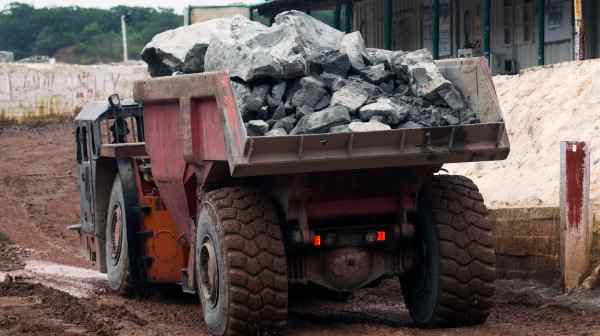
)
(542, 107)
(38, 191)
(11, 255)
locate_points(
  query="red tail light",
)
(317, 240)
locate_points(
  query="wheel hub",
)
(209, 273)
(116, 233)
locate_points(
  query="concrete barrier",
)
(30, 92)
(528, 242)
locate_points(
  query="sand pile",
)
(541, 107)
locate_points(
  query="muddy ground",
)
(39, 199)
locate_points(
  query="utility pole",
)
(387, 24)
(435, 29)
(337, 19)
(579, 31)
(541, 24)
(487, 30)
(124, 20)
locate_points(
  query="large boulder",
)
(257, 127)
(276, 132)
(370, 126)
(280, 51)
(332, 81)
(330, 61)
(411, 125)
(452, 97)
(242, 93)
(288, 123)
(183, 49)
(426, 79)
(372, 89)
(351, 97)
(277, 92)
(391, 113)
(312, 94)
(322, 121)
(354, 46)
(376, 74)
(380, 56)
(313, 34)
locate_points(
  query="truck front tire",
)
(117, 247)
(240, 263)
(452, 282)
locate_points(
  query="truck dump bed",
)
(195, 117)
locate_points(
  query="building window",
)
(445, 46)
(78, 143)
(525, 21)
(84, 144)
(508, 12)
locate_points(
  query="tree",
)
(90, 34)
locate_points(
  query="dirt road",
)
(39, 199)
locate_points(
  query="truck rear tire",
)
(452, 282)
(117, 248)
(240, 262)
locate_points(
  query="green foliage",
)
(80, 35)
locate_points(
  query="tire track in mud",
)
(38, 193)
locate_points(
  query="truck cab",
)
(102, 131)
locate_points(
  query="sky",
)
(178, 5)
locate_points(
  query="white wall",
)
(32, 91)
(201, 14)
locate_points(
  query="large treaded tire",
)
(120, 277)
(244, 229)
(452, 283)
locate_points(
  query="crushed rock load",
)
(301, 76)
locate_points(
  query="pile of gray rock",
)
(300, 76)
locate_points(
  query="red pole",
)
(575, 212)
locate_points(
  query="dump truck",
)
(173, 190)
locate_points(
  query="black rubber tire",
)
(244, 230)
(119, 274)
(452, 281)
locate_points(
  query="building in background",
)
(196, 14)
(513, 34)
